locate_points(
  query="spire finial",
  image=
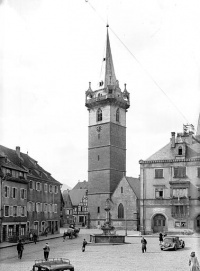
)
(110, 78)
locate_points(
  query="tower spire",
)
(110, 78)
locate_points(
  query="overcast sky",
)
(51, 49)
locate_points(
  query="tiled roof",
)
(166, 153)
(81, 185)
(163, 154)
(76, 195)
(135, 185)
(27, 163)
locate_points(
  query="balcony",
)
(180, 201)
(108, 98)
(179, 216)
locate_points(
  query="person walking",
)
(193, 262)
(46, 251)
(144, 245)
(35, 238)
(84, 245)
(160, 237)
(20, 248)
(64, 236)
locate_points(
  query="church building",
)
(107, 107)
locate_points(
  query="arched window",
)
(99, 114)
(117, 114)
(120, 211)
(180, 151)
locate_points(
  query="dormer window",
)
(99, 114)
(180, 151)
(117, 115)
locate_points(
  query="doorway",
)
(197, 223)
(159, 223)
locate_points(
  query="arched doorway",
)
(159, 223)
(197, 224)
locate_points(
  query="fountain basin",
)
(107, 239)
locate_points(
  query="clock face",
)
(99, 128)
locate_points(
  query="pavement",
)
(84, 231)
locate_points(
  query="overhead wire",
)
(146, 71)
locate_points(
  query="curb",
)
(28, 242)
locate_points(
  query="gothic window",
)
(117, 115)
(99, 114)
(120, 211)
(198, 172)
(180, 151)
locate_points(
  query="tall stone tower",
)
(107, 108)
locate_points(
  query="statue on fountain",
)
(107, 228)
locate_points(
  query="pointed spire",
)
(110, 78)
(198, 127)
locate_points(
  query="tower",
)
(107, 108)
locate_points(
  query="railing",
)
(105, 97)
(180, 216)
(180, 201)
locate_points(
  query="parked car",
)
(172, 243)
(53, 265)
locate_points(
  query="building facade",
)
(170, 186)
(125, 204)
(43, 198)
(107, 109)
(13, 197)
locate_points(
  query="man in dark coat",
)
(144, 245)
(84, 245)
(35, 238)
(46, 251)
(160, 237)
(20, 248)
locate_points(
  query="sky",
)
(51, 49)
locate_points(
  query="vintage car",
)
(59, 264)
(172, 243)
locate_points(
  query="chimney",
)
(173, 140)
(18, 151)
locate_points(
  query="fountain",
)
(108, 236)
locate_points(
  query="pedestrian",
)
(20, 248)
(84, 245)
(35, 238)
(144, 245)
(160, 237)
(31, 236)
(193, 262)
(46, 251)
(64, 236)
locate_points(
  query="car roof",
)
(53, 264)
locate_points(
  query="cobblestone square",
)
(104, 257)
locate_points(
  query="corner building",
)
(107, 108)
(170, 186)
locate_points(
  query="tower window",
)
(180, 151)
(98, 157)
(122, 190)
(98, 209)
(98, 136)
(117, 115)
(120, 211)
(99, 114)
